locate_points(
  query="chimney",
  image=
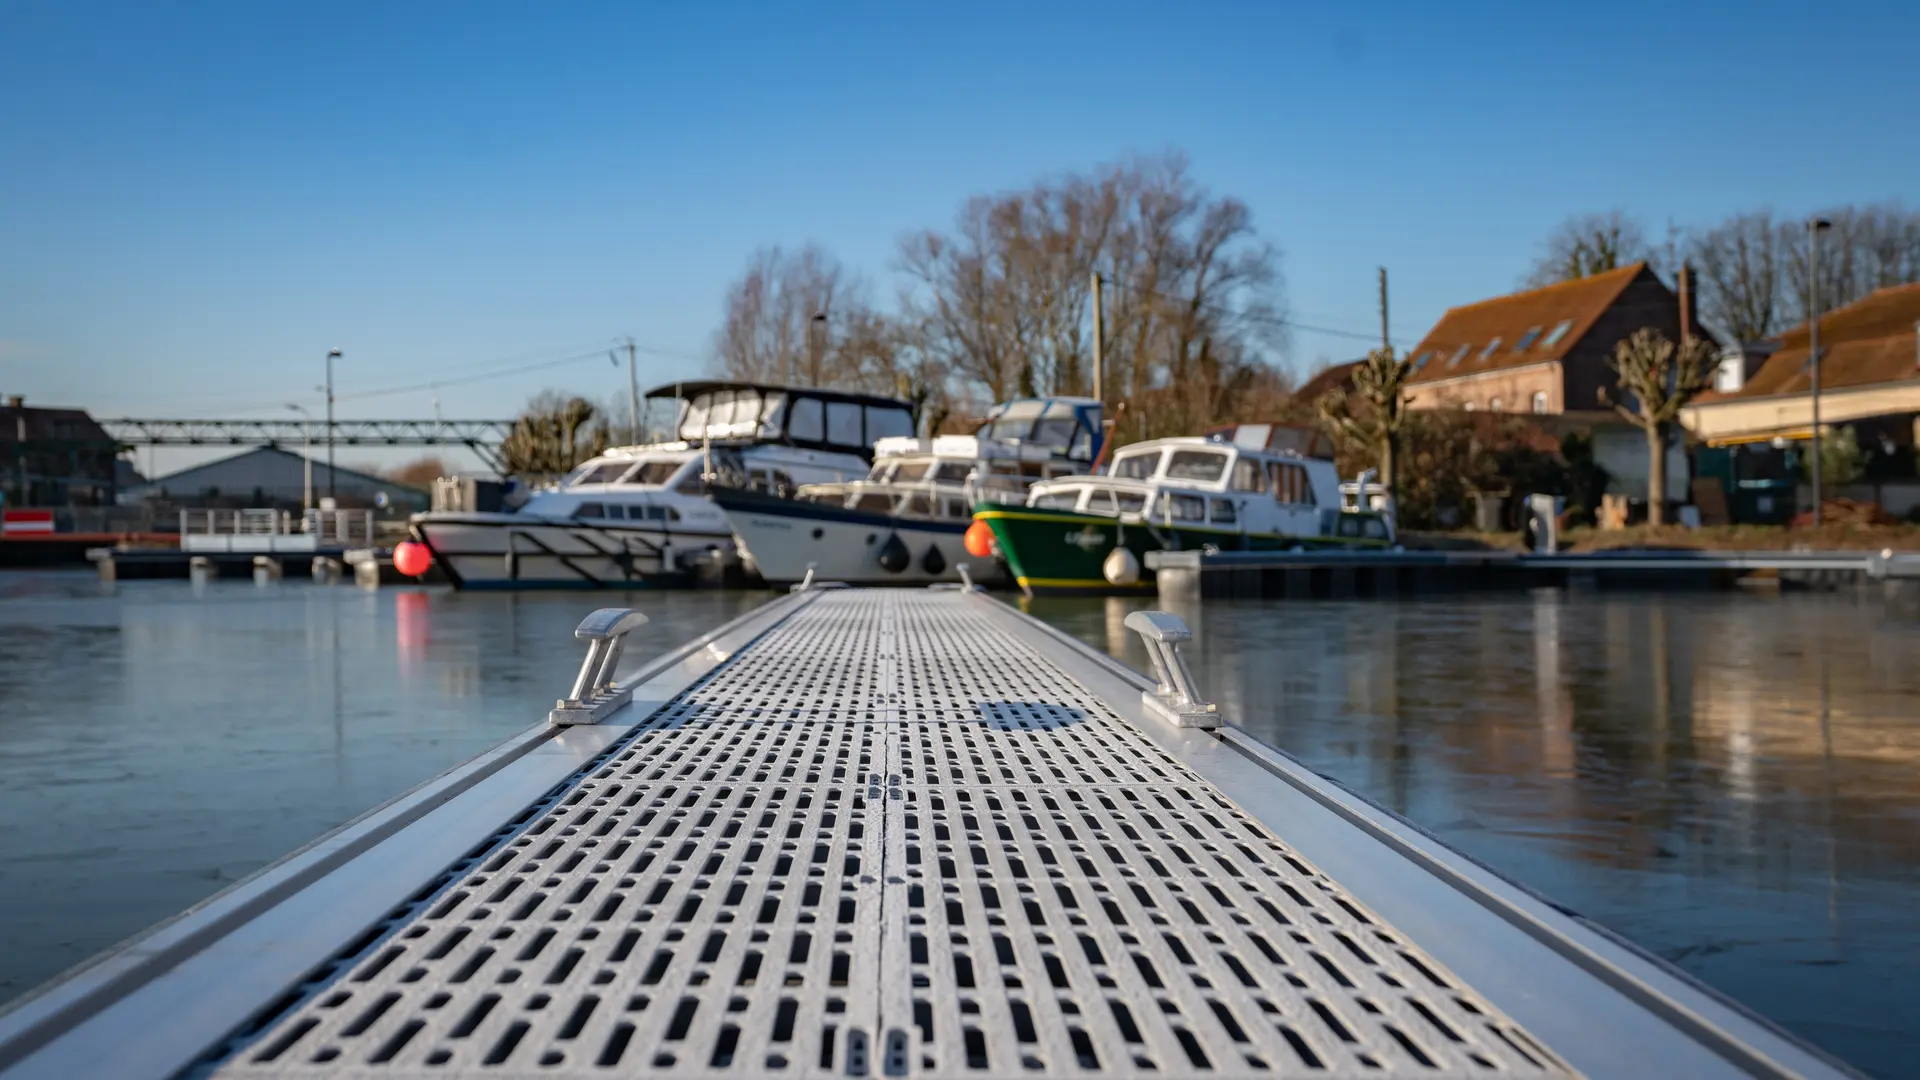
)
(16, 401)
(1684, 279)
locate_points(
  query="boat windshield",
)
(1063, 499)
(1137, 466)
(655, 472)
(599, 472)
(1202, 465)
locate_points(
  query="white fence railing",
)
(274, 530)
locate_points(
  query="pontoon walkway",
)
(882, 833)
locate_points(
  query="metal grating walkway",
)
(888, 839)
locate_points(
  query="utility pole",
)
(633, 389)
(1814, 228)
(1099, 334)
(1386, 342)
(332, 355)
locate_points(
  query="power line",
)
(502, 373)
(1268, 320)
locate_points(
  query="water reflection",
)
(1729, 780)
(158, 741)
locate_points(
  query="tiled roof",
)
(1548, 321)
(1871, 340)
(1337, 377)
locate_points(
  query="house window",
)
(1526, 339)
(1539, 401)
(1421, 360)
(1559, 331)
(1492, 347)
(1458, 355)
(1493, 405)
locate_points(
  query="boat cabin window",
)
(1058, 500)
(1131, 502)
(874, 502)
(655, 472)
(957, 508)
(955, 472)
(1248, 475)
(1175, 507)
(908, 471)
(606, 472)
(886, 424)
(1202, 465)
(589, 510)
(917, 505)
(806, 420)
(1223, 512)
(1058, 469)
(1137, 466)
(1290, 484)
(771, 481)
(843, 423)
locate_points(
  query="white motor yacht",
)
(640, 515)
(905, 523)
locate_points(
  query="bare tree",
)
(1867, 248)
(769, 313)
(552, 434)
(1589, 244)
(1658, 379)
(1002, 299)
(1374, 420)
(1740, 274)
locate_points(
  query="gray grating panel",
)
(888, 839)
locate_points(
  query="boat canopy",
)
(1066, 426)
(809, 417)
(1308, 442)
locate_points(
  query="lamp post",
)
(1814, 229)
(332, 355)
(306, 456)
(816, 332)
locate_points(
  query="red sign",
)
(26, 521)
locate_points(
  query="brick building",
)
(54, 457)
(1540, 351)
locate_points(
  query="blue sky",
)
(197, 200)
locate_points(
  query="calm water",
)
(1729, 780)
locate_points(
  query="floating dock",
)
(882, 833)
(1334, 573)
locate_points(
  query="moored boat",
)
(640, 515)
(906, 522)
(1092, 533)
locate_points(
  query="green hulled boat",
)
(1173, 494)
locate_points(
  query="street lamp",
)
(306, 455)
(332, 355)
(1814, 229)
(816, 334)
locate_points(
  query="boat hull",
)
(514, 551)
(780, 539)
(1065, 551)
